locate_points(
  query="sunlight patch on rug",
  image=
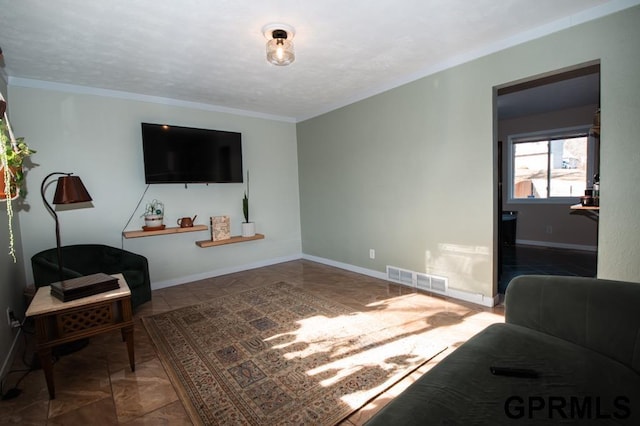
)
(278, 354)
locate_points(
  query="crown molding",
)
(95, 91)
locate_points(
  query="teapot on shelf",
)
(186, 222)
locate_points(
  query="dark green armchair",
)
(86, 259)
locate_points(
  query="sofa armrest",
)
(597, 314)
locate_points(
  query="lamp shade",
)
(70, 189)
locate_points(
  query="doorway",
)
(541, 123)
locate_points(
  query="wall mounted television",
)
(174, 154)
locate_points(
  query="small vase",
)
(153, 220)
(248, 229)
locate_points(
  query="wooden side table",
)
(59, 322)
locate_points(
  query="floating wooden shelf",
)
(581, 207)
(174, 230)
(234, 239)
(592, 212)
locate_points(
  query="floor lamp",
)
(69, 190)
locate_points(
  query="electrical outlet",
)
(372, 254)
(549, 229)
(11, 319)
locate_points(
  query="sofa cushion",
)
(597, 314)
(574, 383)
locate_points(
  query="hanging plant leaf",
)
(13, 151)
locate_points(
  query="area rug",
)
(279, 355)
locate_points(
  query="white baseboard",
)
(477, 298)
(223, 271)
(557, 245)
(346, 266)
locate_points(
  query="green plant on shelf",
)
(245, 202)
(155, 207)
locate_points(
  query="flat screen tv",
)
(174, 154)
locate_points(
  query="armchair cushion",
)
(86, 259)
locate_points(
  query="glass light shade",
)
(280, 51)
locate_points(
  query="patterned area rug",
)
(280, 355)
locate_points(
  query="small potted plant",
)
(13, 152)
(248, 228)
(153, 215)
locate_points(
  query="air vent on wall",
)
(399, 275)
(406, 277)
(435, 284)
(393, 273)
(425, 282)
(431, 283)
(438, 284)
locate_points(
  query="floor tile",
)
(172, 414)
(141, 392)
(80, 380)
(530, 260)
(97, 382)
(103, 409)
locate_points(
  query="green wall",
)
(12, 278)
(411, 172)
(98, 138)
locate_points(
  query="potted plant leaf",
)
(153, 215)
(13, 151)
(248, 228)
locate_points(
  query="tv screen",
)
(174, 154)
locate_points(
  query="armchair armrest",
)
(46, 272)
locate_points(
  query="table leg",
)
(47, 368)
(45, 355)
(128, 337)
(127, 332)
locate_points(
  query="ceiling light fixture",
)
(279, 44)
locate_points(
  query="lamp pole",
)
(69, 189)
(55, 216)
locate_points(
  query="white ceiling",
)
(212, 53)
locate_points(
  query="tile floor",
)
(527, 260)
(96, 386)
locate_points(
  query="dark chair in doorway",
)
(509, 227)
(86, 259)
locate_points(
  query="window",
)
(555, 165)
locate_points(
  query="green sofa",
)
(580, 336)
(86, 259)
